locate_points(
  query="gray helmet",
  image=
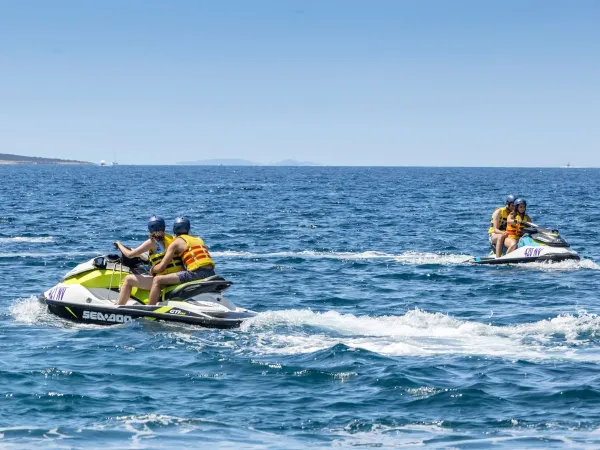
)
(181, 226)
(156, 223)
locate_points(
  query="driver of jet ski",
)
(156, 246)
(514, 224)
(497, 232)
(192, 251)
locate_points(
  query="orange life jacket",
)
(195, 254)
(515, 230)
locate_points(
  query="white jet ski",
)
(88, 293)
(536, 244)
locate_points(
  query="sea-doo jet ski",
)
(536, 244)
(88, 293)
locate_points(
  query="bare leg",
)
(131, 281)
(157, 284)
(511, 244)
(500, 245)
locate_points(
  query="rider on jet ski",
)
(514, 226)
(156, 246)
(497, 232)
(192, 251)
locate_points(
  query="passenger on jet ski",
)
(514, 226)
(192, 251)
(156, 246)
(497, 232)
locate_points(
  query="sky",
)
(385, 82)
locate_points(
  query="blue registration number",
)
(532, 252)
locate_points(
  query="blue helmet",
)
(181, 226)
(156, 223)
(510, 198)
(520, 201)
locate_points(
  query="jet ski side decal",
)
(69, 309)
(106, 317)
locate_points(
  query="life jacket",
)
(195, 254)
(515, 230)
(504, 212)
(176, 265)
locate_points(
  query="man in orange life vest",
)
(192, 251)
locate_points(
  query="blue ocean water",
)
(373, 330)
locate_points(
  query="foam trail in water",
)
(37, 240)
(563, 265)
(404, 258)
(419, 333)
(409, 258)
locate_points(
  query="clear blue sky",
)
(473, 83)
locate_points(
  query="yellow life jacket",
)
(504, 212)
(515, 230)
(195, 254)
(176, 265)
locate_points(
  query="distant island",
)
(244, 162)
(6, 158)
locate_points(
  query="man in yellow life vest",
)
(156, 246)
(497, 232)
(192, 251)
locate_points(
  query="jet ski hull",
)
(530, 254)
(113, 315)
(88, 294)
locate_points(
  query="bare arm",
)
(147, 245)
(496, 217)
(176, 248)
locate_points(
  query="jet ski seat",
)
(184, 291)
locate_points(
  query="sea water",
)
(373, 329)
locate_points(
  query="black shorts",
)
(186, 276)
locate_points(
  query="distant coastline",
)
(7, 158)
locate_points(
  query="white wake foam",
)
(28, 310)
(409, 257)
(37, 240)
(563, 265)
(419, 333)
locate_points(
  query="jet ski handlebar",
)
(532, 228)
(131, 262)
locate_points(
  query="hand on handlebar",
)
(116, 245)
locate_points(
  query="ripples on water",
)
(373, 329)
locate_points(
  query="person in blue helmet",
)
(194, 255)
(514, 224)
(497, 231)
(157, 244)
